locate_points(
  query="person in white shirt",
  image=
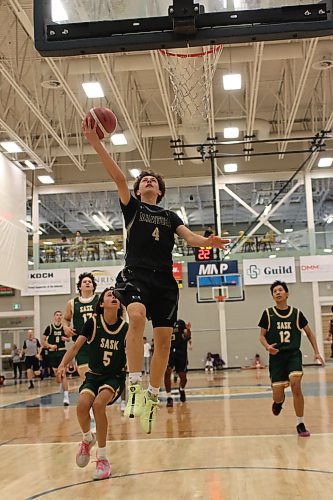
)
(146, 355)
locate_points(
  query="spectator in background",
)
(65, 240)
(330, 333)
(32, 350)
(209, 231)
(146, 355)
(17, 362)
(209, 366)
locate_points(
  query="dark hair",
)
(279, 283)
(160, 180)
(81, 278)
(55, 312)
(99, 308)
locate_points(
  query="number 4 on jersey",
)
(156, 234)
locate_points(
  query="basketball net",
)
(191, 73)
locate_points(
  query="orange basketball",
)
(106, 121)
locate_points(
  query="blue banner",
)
(209, 268)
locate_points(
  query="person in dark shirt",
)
(146, 285)
(208, 232)
(180, 340)
(280, 333)
(105, 334)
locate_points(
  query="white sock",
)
(300, 420)
(168, 394)
(101, 453)
(66, 394)
(135, 378)
(153, 391)
(87, 436)
(181, 388)
(91, 413)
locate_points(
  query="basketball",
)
(106, 121)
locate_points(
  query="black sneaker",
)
(302, 431)
(182, 395)
(277, 407)
(169, 402)
(31, 385)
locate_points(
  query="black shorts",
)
(55, 357)
(31, 362)
(178, 362)
(157, 290)
(94, 384)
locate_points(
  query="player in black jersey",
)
(146, 285)
(105, 335)
(54, 340)
(280, 333)
(180, 340)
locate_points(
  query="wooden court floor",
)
(223, 443)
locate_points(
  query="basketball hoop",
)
(190, 74)
(220, 298)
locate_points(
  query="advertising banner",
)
(266, 271)
(213, 267)
(177, 271)
(104, 276)
(316, 268)
(48, 282)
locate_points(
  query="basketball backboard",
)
(74, 27)
(209, 287)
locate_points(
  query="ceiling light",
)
(325, 162)
(93, 89)
(283, 241)
(135, 172)
(329, 219)
(29, 164)
(58, 12)
(48, 242)
(118, 139)
(230, 167)
(109, 242)
(46, 179)
(11, 147)
(100, 222)
(288, 230)
(328, 250)
(231, 132)
(232, 81)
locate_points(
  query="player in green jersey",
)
(54, 340)
(280, 333)
(105, 334)
(77, 312)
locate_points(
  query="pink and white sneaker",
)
(83, 454)
(103, 469)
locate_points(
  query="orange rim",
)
(220, 298)
(195, 54)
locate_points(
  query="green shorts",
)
(82, 357)
(284, 365)
(55, 357)
(94, 384)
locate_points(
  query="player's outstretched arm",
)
(70, 354)
(196, 240)
(313, 342)
(109, 164)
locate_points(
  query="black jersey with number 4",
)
(150, 235)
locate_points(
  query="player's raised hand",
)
(69, 331)
(90, 131)
(217, 241)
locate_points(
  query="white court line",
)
(172, 439)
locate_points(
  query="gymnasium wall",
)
(241, 319)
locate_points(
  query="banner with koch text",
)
(266, 271)
(316, 268)
(48, 282)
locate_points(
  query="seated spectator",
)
(209, 366)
